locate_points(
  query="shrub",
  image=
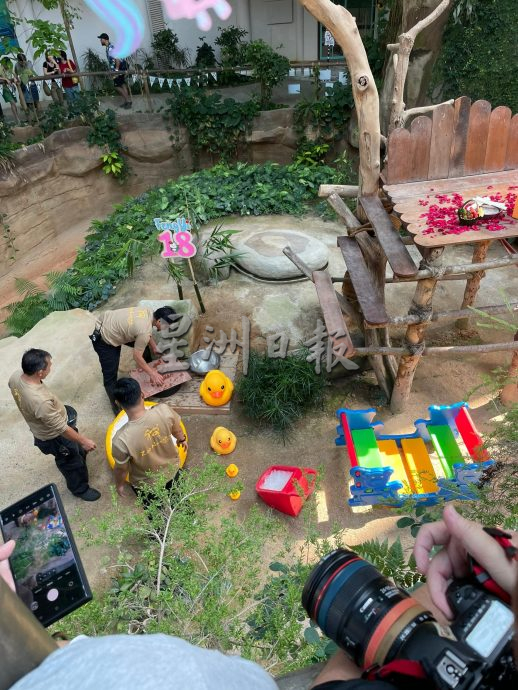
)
(277, 392)
(268, 67)
(215, 125)
(478, 57)
(165, 45)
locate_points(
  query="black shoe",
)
(90, 495)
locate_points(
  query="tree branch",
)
(422, 110)
(415, 30)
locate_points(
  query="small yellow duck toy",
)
(223, 441)
(232, 470)
(216, 388)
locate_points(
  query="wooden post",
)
(509, 393)
(473, 282)
(421, 304)
(66, 24)
(146, 90)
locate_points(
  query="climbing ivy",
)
(478, 57)
(215, 125)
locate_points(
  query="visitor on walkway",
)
(70, 84)
(52, 423)
(8, 83)
(51, 67)
(117, 65)
(132, 327)
(24, 70)
(144, 445)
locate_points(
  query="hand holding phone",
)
(6, 551)
(45, 564)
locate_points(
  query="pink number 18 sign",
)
(175, 238)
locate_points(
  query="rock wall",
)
(57, 187)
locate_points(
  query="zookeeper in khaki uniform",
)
(132, 326)
(52, 423)
(144, 443)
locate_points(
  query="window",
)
(365, 13)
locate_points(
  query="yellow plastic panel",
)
(419, 466)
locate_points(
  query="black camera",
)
(375, 623)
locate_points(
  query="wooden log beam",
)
(421, 304)
(443, 350)
(305, 270)
(343, 211)
(473, 283)
(348, 190)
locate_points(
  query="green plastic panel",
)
(446, 447)
(366, 448)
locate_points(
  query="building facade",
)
(283, 24)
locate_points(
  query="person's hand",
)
(5, 571)
(156, 378)
(87, 444)
(119, 488)
(459, 537)
(183, 444)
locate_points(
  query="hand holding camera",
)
(393, 637)
(460, 538)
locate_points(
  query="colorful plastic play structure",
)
(440, 461)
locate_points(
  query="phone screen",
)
(45, 564)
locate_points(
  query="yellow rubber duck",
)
(232, 470)
(223, 441)
(235, 494)
(216, 388)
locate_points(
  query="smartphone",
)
(45, 563)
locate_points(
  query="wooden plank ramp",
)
(373, 309)
(397, 254)
(187, 400)
(336, 327)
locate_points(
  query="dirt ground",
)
(292, 309)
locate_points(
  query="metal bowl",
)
(200, 364)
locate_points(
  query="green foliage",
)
(391, 561)
(46, 36)
(93, 63)
(186, 576)
(165, 45)
(7, 146)
(325, 115)
(215, 125)
(105, 133)
(268, 67)
(85, 108)
(478, 57)
(205, 55)
(310, 152)
(36, 303)
(206, 195)
(231, 44)
(219, 243)
(112, 164)
(277, 392)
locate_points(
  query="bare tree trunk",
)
(403, 49)
(66, 24)
(342, 25)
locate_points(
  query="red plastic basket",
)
(288, 499)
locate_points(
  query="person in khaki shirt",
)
(48, 419)
(144, 445)
(132, 326)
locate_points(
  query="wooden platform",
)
(187, 400)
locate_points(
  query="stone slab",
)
(261, 253)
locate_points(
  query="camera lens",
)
(357, 607)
